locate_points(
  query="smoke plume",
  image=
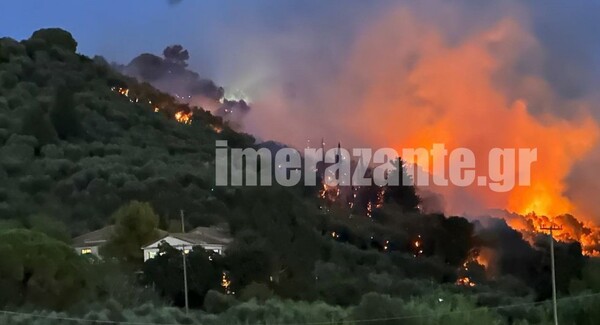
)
(411, 78)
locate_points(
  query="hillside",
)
(82, 146)
(74, 147)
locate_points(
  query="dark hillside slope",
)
(78, 140)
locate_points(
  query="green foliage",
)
(582, 310)
(64, 116)
(135, 225)
(591, 274)
(50, 226)
(279, 312)
(37, 124)
(249, 259)
(165, 274)
(112, 281)
(216, 302)
(39, 270)
(258, 291)
(71, 146)
(436, 308)
(9, 47)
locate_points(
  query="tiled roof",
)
(100, 237)
(202, 236)
(94, 238)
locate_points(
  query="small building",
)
(91, 242)
(214, 239)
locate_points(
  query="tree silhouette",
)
(404, 194)
(136, 225)
(176, 54)
(56, 37)
(39, 270)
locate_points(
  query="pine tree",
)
(405, 194)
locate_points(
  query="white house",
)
(91, 242)
(214, 239)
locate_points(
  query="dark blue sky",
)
(216, 32)
(224, 36)
(116, 29)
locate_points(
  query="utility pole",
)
(555, 308)
(185, 282)
(182, 223)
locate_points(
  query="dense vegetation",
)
(85, 146)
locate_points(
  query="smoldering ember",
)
(306, 162)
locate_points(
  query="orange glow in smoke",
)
(412, 87)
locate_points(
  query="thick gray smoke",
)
(307, 71)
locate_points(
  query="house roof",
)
(100, 237)
(200, 236)
(94, 238)
(213, 235)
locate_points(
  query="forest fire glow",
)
(226, 283)
(217, 129)
(182, 117)
(418, 247)
(451, 86)
(483, 258)
(465, 281)
(572, 230)
(432, 92)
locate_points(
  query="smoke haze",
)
(415, 75)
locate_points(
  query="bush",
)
(56, 37)
(39, 270)
(8, 80)
(52, 151)
(216, 302)
(258, 291)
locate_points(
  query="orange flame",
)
(465, 281)
(572, 230)
(420, 90)
(183, 117)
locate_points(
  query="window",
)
(86, 251)
(151, 255)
